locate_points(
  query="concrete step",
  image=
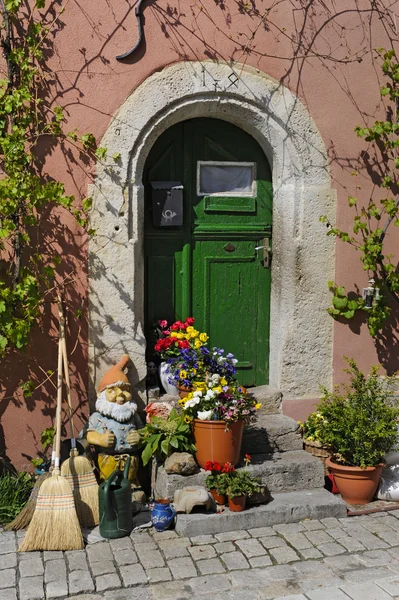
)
(272, 433)
(286, 471)
(285, 507)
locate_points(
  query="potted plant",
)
(163, 435)
(312, 432)
(218, 411)
(238, 485)
(359, 428)
(213, 481)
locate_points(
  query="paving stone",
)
(370, 541)
(210, 584)
(331, 522)
(151, 559)
(351, 544)
(390, 537)
(202, 552)
(261, 531)
(232, 536)
(124, 543)
(284, 555)
(32, 567)
(326, 594)
(7, 578)
(182, 568)
(273, 542)
(55, 578)
(292, 597)
(313, 525)
(210, 566)
(330, 581)
(103, 568)
(365, 591)
(107, 582)
(8, 594)
(125, 557)
(251, 548)
(240, 595)
(391, 586)
(222, 547)
(311, 569)
(253, 578)
(289, 528)
(377, 525)
(159, 574)
(7, 543)
(31, 588)
(308, 553)
(99, 552)
(80, 581)
(371, 574)
(201, 540)
(52, 555)
(318, 537)
(133, 575)
(174, 543)
(171, 590)
(235, 560)
(176, 552)
(143, 537)
(56, 589)
(337, 533)
(164, 535)
(143, 546)
(76, 560)
(298, 541)
(87, 597)
(7, 561)
(260, 561)
(139, 593)
(331, 549)
(378, 558)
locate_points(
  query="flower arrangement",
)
(212, 480)
(221, 402)
(312, 428)
(181, 335)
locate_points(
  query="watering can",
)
(115, 504)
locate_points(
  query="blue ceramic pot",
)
(162, 515)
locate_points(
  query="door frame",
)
(303, 256)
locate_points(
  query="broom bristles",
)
(22, 520)
(54, 525)
(79, 473)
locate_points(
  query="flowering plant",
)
(181, 335)
(233, 482)
(212, 480)
(312, 428)
(221, 402)
(194, 365)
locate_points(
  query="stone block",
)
(107, 582)
(31, 588)
(272, 433)
(270, 399)
(210, 566)
(80, 581)
(133, 575)
(182, 568)
(235, 561)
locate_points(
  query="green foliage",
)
(312, 428)
(243, 483)
(161, 437)
(360, 425)
(28, 196)
(14, 493)
(47, 441)
(370, 222)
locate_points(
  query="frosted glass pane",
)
(224, 179)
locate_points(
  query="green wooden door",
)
(210, 268)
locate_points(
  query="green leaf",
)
(40, 3)
(147, 454)
(340, 303)
(165, 446)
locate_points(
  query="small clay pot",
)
(237, 503)
(183, 391)
(218, 498)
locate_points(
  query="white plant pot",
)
(163, 377)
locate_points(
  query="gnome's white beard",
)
(119, 412)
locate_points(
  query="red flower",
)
(217, 466)
(174, 327)
(247, 457)
(163, 324)
(190, 321)
(228, 468)
(209, 465)
(183, 344)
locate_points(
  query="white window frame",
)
(220, 163)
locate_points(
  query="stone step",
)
(286, 471)
(285, 507)
(272, 433)
(269, 397)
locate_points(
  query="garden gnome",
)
(112, 429)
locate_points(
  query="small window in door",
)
(220, 178)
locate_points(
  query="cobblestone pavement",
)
(330, 559)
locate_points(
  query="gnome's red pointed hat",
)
(115, 375)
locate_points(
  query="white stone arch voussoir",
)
(303, 256)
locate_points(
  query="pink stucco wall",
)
(328, 61)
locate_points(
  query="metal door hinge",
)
(267, 252)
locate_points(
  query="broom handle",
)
(66, 373)
(59, 400)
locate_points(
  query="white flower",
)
(204, 415)
(197, 394)
(210, 395)
(191, 403)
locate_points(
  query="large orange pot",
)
(216, 440)
(356, 485)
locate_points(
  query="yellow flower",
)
(199, 385)
(180, 336)
(203, 337)
(223, 381)
(217, 389)
(187, 419)
(183, 374)
(189, 329)
(181, 402)
(194, 333)
(173, 334)
(258, 405)
(197, 343)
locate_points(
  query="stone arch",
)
(303, 256)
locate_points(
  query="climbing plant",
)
(29, 197)
(371, 221)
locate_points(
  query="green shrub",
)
(15, 490)
(360, 426)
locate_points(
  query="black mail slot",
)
(167, 203)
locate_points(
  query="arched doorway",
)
(206, 248)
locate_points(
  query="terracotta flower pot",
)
(183, 391)
(356, 485)
(218, 498)
(237, 503)
(216, 441)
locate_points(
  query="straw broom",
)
(77, 469)
(54, 525)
